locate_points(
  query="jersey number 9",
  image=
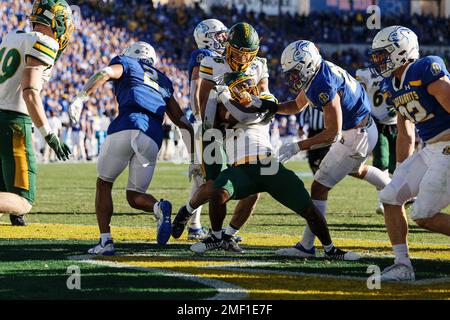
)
(9, 64)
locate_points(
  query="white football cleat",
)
(103, 250)
(398, 272)
(297, 251)
(380, 208)
(207, 244)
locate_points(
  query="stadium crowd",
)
(106, 28)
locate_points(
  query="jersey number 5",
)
(9, 63)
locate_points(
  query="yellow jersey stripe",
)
(206, 70)
(45, 50)
(21, 178)
(416, 83)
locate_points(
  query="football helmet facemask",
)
(393, 47)
(57, 15)
(242, 46)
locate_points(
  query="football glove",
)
(76, 107)
(194, 170)
(61, 149)
(287, 151)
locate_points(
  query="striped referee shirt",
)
(313, 118)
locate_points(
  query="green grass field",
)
(34, 259)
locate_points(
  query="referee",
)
(311, 121)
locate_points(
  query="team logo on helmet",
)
(203, 27)
(301, 46)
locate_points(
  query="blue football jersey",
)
(142, 93)
(332, 79)
(196, 57)
(412, 99)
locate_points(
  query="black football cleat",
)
(180, 222)
(17, 220)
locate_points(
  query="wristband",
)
(45, 130)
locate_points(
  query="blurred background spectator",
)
(106, 28)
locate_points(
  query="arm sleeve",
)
(241, 116)
(43, 48)
(434, 68)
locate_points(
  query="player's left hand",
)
(194, 170)
(287, 151)
(75, 109)
(62, 151)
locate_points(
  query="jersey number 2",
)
(9, 63)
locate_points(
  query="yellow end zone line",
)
(86, 232)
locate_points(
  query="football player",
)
(349, 127)
(144, 95)
(27, 59)
(253, 167)
(210, 36)
(241, 51)
(386, 120)
(419, 89)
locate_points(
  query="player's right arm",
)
(405, 138)
(293, 106)
(112, 72)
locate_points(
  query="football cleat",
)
(106, 249)
(196, 234)
(180, 222)
(297, 251)
(398, 272)
(209, 243)
(231, 245)
(164, 227)
(17, 220)
(380, 209)
(338, 254)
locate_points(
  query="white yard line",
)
(226, 291)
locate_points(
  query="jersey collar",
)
(402, 80)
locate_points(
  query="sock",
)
(309, 237)
(104, 237)
(328, 247)
(189, 208)
(231, 231)
(195, 219)
(156, 209)
(217, 234)
(401, 252)
(377, 178)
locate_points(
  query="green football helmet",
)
(241, 87)
(57, 15)
(242, 46)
